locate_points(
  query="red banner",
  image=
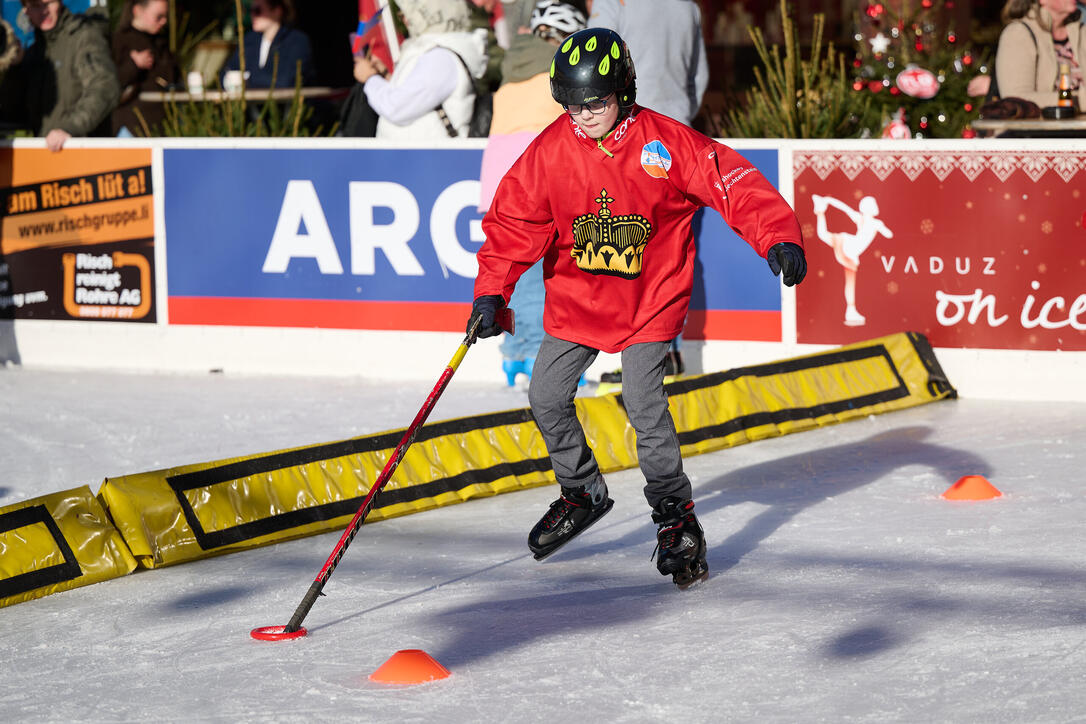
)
(981, 249)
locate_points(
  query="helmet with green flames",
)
(592, 64)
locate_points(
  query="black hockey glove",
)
(788, 258)
(485, 309)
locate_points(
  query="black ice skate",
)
(680, 542)
(568, 517)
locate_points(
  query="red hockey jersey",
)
(611, 220)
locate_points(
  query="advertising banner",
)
(735, 296)
(77, 234)
(978, 249)
(380, 238)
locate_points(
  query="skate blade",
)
(542, 553)
(686, 583)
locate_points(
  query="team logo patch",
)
(608, 243)
(655, 159)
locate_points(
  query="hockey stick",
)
(294, 628)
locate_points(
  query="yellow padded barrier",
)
(180, 514)
(55, 543)
(741, 405)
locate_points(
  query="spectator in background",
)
(523, 107)
(10, 49)
(487, 18)
(668, 51)
(518, 15)
(1037, 38)
(431, 94)
(273, 35)
(141, 52)
(76, 101)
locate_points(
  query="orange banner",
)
(76, 234)
(92, 224)
(26, 166)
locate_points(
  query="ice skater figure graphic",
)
(848, 247)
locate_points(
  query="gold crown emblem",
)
(607, 244)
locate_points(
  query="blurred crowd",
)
(81, 77)
(78, 76)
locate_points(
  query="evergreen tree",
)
(797, 97)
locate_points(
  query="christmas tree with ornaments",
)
(912, 65)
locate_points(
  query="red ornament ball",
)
(858, 85)
(968, 106)
(874, 86)
(926, 3)
(951, 38)
(919, 47)
(894, 91)
(918, 82)
(969, 133)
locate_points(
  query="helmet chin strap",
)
(624, 112)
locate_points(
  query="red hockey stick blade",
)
(276, 633)
(507, 320)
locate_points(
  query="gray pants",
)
(558, 367)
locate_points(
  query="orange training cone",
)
(972, 487)
(409, 666)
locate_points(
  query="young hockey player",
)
(605, 196)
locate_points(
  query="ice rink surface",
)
(842, 588)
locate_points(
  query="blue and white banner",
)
(379, 239)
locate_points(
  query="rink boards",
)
(181, 514)
(357, 256)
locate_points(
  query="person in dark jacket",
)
(141, 52)
(66, 84)
(10, 50)
(273, 35)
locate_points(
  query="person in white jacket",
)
(433, 75)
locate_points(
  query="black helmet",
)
(590, 65)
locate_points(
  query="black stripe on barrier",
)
(209, 540)
(938, 384)
(769, 369)
(389, 496)
(790, 414)
(49, 575)
(329, 451)
(680, 387)
(692, 384)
